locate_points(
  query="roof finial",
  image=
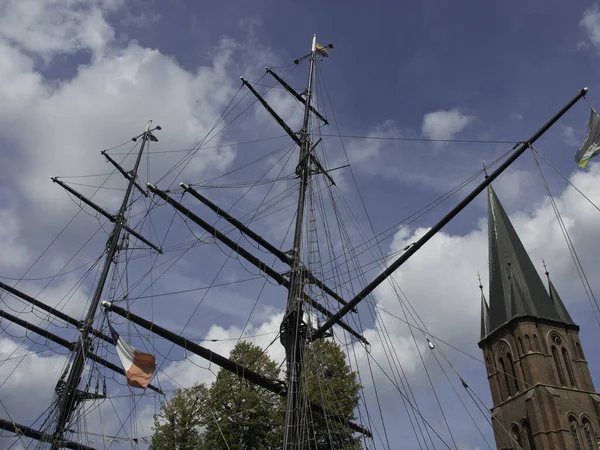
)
(484, 168)
(545, 268)
(480, 285)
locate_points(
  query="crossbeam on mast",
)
(282, 256)
(68, 319)
(262, 266)
(296, 94)
(275, 386)
(70, 345)
(126, 174)
(447, 218)
(308, 154)
(109, 216)
(23, 430)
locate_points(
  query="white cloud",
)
(57, 26)
(444, 124)
(515, 116)
(14, 251)
(27, 379)
(590, 22)
(568, 135)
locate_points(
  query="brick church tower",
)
(542, 391)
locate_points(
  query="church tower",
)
(542, 391)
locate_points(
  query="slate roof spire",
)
(516, 289)
(485, 313)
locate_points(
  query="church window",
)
(555, 338)
(588, 432)
(502, 347)
(536, 343)
(512, 372)
(520, 346)
(527, 343)
(568, 366)
(504, 376)
(574, 426)
(559, 370)
(579, 350)
(516, 436)
(529, 442)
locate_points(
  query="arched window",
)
(515, 433)
(568, 366)
(574, 426)
(561, 375)
(527, 343)
(579, 350)
(512, 372)
(530, 443)
(536, 343)
(588, 433)
(520, 346)
(504, 376)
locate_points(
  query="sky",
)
(81, 76)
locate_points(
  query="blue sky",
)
(80, 76)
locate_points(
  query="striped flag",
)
(591, 145)
(321, 50)
(139, 367)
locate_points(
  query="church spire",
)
(485, 312)
(516, 289)
(556, 300)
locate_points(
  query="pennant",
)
(591, 145)
(322, 50)
(139, 367)
(151, 136)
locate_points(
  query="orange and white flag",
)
(139, 367)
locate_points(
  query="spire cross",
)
(480, 284)
(545, 268)
(484, 168)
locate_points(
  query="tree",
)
(246, 416)
(237, 415)
(331, 383)
(181, 420)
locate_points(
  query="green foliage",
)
(248, 417)
(181, 420)
(331, 383)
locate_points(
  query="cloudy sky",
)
(81, 76)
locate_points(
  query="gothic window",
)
(536, 344)
(527, 343)
(559, 370)
(530, 443)
(579, 350)
(512, 373)
(568, 366)
(520, 346)
(574, 426)
(555, 338)
(516, 436)
(502, 347)
(588, 432)
(504, 376)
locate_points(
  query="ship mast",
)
(69, 395)
(293, 328)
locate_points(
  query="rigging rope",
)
(579, 267)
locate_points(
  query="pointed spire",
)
(485, 312)
(556, 300)
(516, 289)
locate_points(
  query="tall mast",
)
(293, 328)
(68, 397)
